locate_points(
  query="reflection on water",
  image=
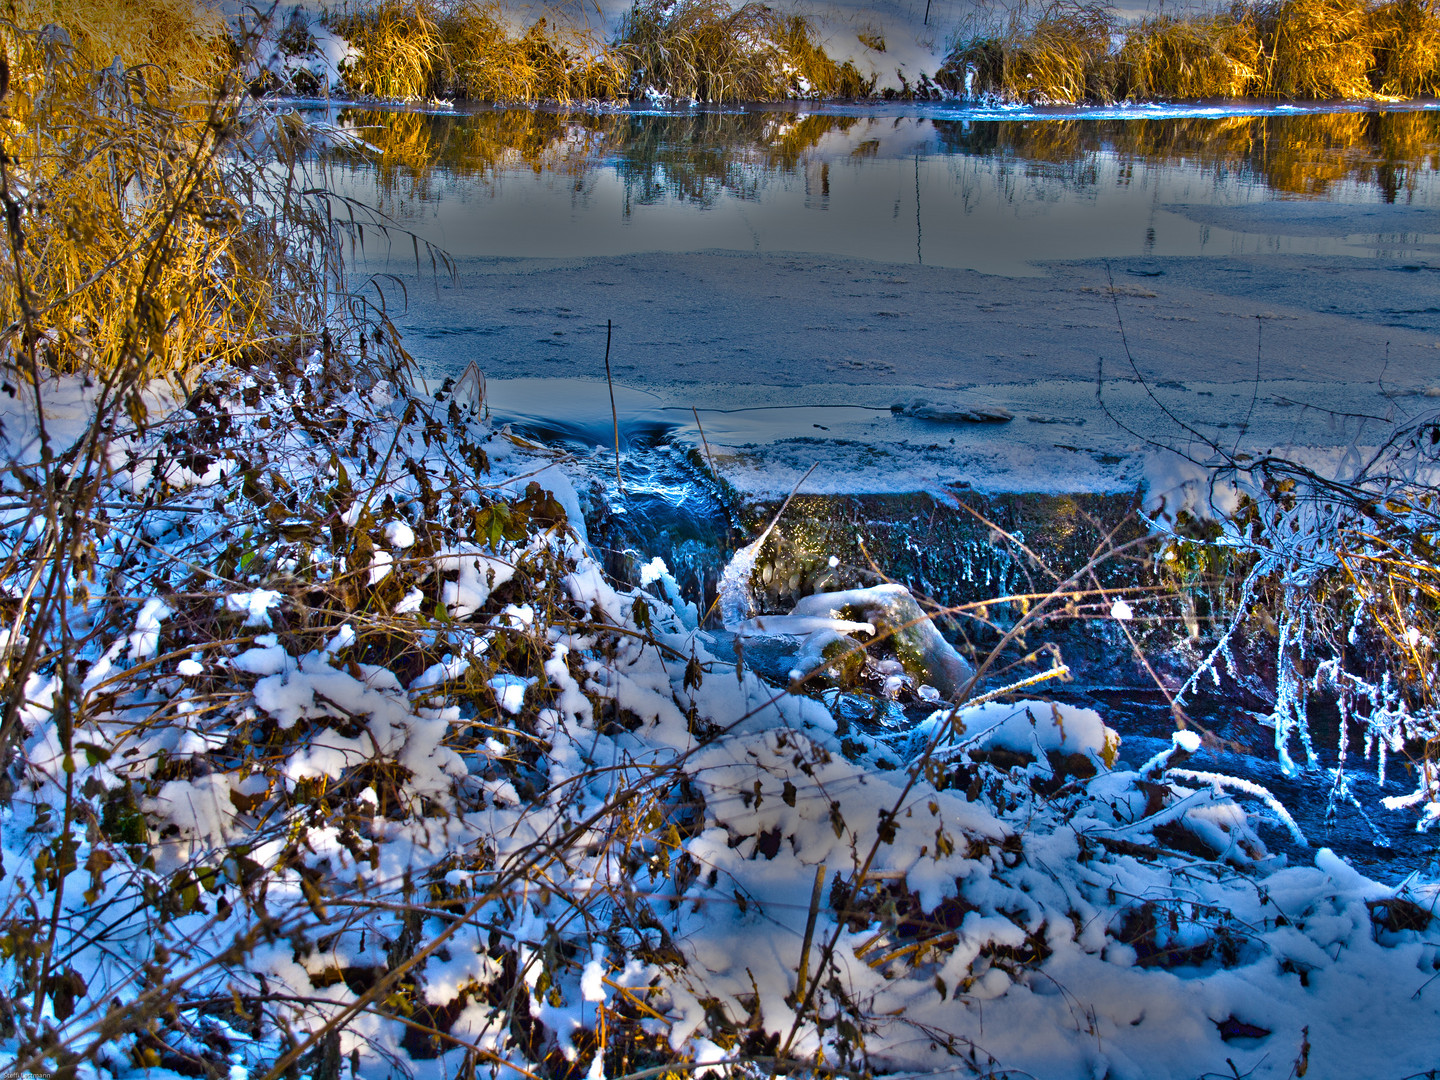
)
(944, 188)
(696, 155)
(1304, 154)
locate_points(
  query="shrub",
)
(1406, 40)
(1058, 56)
(1190, 57)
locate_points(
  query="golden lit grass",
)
(402, 54)
(419, 49)
(1313, 50)
(545, 62)
(186, 37)
(1316, 49)
(1406, 41)
(1058, 55)
(703, 49)
(139, 245)
(812, 71)
(1190, 57)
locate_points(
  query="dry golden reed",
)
(185, 37)
(709, 51)
(702, 49)
(1313, 50)
(140, 244)
(1190, 57)
(1406, 42)
(412, 49)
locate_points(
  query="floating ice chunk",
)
(1121, 611)
(976, 413)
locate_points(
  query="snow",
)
(1060, 935)
(533, 800)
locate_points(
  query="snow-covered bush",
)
(358, 761)
(1336, 565)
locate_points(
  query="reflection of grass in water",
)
(412, 146)
(694, 157)
(700, 155)
(1299, 154)
(1308, 49)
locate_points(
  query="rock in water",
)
(922, 651)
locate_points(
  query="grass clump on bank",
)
(421, 49)
(709, 51)
(701, 49)
(1066, 52)
(185, 38)
(135, 246)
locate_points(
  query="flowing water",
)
(555, 220)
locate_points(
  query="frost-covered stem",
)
(1220, 780)
(1291, 698)
(1247, 593)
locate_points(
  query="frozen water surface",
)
(790, 275)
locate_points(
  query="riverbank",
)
(713, 51)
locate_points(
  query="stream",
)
(954, 326)
(672, 507)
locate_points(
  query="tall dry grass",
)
(1314, 50)
(412, 49)
(1406, 43)
(132, 248)
(1058, 54)
(702, 49)
(1192, 57)
(186, 37)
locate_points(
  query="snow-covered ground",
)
(644, 846)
